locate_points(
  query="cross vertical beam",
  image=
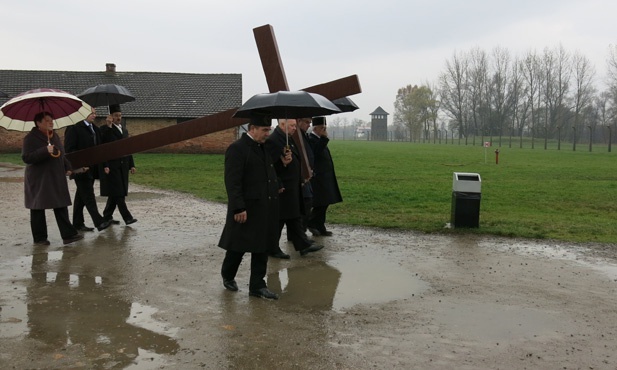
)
(277, 81)
(270, 58)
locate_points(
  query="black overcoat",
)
(116, 183)
(324, 183)
(45, 184)
(307, 189)
(251, 184)
(291, 204)
(78, 137)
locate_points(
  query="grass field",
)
(565, 195)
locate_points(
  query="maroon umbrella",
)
(18, 113)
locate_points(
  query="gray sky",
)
(388, 44)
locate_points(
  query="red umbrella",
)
(18, 113)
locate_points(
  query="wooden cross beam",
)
(277, 80)
(201, 126)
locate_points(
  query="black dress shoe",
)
(312, 248)
(84, 228)
(263, 293)
(230, 285)
(42, 242)
(114, 222)
(131, 221)
(73, 238)
(326, 233)
(280, 254)
(104, 225)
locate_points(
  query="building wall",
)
(379, 129)
(215, 143)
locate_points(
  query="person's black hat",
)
(317, 121)
(114, 108)
(263, 121)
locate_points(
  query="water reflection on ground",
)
(344, 281)
(69, 303)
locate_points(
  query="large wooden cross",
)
(275, 75)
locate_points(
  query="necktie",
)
(92, 131)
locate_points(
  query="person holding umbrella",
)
(82, 135)
(286, 158)
(115, 175)
(45, 184)
(251, 223)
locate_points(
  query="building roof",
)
(158, 94)
(379, 111)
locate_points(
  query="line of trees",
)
(542, 95)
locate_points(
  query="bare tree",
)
(557, 71)
(583, 94)
(453, 92)
(531, 76)
(477, 87)
(518, 100)
(499, 87)
(611, 64)
(435, 104)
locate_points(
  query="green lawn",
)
(565, 195)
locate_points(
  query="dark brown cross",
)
(273, 69)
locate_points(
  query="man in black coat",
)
(307, 189)
(251, 225)
(324, 183)
(115, 175)
(80, 136)
(286, 158)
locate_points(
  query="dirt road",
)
(150, 296)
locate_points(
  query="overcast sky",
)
(388, 44)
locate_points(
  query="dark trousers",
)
(84, 197)
(259, 265)
(38, 224)
(308, 204)
(110, 208)
(317, 220)
(295, 233)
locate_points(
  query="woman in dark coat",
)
(114, 175)
(45, 183)
(251, 224)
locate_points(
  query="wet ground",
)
(149, 296)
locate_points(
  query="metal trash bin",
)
(466, 194)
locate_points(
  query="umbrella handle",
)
(50, 134)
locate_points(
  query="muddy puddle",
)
(344, 281)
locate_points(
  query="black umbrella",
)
(287, 104)
(345, 104)
(105, 95)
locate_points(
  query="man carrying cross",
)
(286, 158)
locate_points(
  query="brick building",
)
(162, 99)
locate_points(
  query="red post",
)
(497, 156)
